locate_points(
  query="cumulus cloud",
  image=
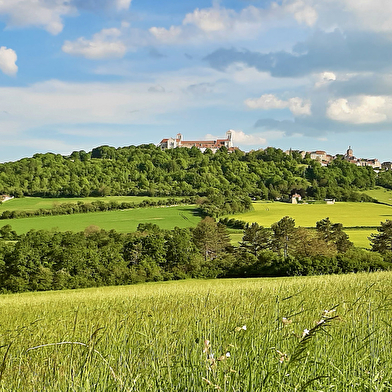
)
(219, 23)
(105, 44)
(296, 105)
(123, 4)
(46, 14)
(325, 78)
(7, 61)
(167, 36)
(240, 137)
(360, 110)
(211, 19)
(303, 12)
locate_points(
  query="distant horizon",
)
(305, 74)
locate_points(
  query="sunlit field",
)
(326, 333)
(123, 221)
(383, 195)
(306, 215)
(35, 203)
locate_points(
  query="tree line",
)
(81, 207)
(47, 260)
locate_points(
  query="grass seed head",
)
(243, 328)
(286, 321)
(206, 346)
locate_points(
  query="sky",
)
(301, 74)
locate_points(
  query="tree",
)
(256, 238)
(283, 235)
(333, 233)
(382, 242)
(210, 237)
(309, 244)
(6, 233)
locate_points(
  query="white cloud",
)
(105, 44)
(123, 4)
(374, 15)
(167, 36)
(40, 13)
(296, 105)
(325, 78)
(219, 23)
(56, 102)
(302, 12)
(299, 107)
(7, 61)
(241, 138)
(361, 110)
(209, 19)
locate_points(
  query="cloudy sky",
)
(301, 74)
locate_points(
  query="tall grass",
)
(329, 333)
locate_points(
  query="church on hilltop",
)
(202, 145)
(349, 156)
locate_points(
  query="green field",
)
(381, 194)
(306, 215)
(123, 221)
(360, 236)
(326, 333)
(35, 203)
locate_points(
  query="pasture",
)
(35, 203)
(123, 221)
(306, 215)
(325, 333)
(383, 195)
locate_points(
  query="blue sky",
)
(301, 74)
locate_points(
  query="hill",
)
(147, 170)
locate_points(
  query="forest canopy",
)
(147, 170)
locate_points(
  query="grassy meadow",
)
(35, 203)
(325, 333)
(265, 213)
(123, 221)
(383, 195)
(306, 215)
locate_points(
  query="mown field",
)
(35, 203)
(383, 195)
(306, 215)
(329, 333)
(265, 213)
(123, 221)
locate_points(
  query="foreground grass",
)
(124, 221)
(263, 335)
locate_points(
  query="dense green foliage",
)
(146, 170)
(45, 260)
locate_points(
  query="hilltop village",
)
(319, 155)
